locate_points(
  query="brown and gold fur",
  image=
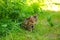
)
(29, 22)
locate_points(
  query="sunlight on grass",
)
(28, 2)
(56, 1)
(49, 5)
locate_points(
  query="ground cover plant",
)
(13, 12)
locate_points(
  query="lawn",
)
(47, 26)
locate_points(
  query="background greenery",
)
(13, 12)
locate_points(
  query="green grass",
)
(42, 31)
(13, 12)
